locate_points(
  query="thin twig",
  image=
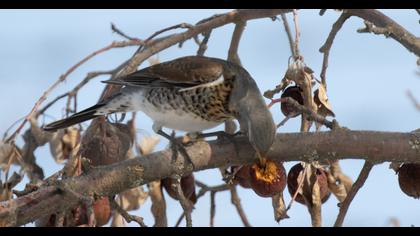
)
(203, 190)
(185, 203)
(203, 45)
(297, 33)
(312, 115)
(413, 99)
(90, 214)
(73, 93)
(344, 206)
(305, 171)
(289, 34)
(322, 12)
(328, 43)
(371, 28)
(236, 201)
(124, 213)
(181, 25)
(388, 27)
(63, 77)
(122, 34)
(234, 43)
(212, 208)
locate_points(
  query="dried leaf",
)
(158, 204)
(148, 143)
(6, 188)
(315, 208)
(338, 183)
(322, 102)
(34, 171)
(279, 207)
(132, 199)
(117, 220)
(336, 188)
(41, 137)
(6, 153)
(64, 143)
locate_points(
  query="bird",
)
(191, 94)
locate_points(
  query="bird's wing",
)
(185, 73)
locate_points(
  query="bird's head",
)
(252, 113)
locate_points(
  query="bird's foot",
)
(229, 176)
(176, 146)
(222, 136)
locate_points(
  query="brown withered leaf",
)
(322, 102)
(34, 171)
(315, 208)
(336, 187)
(279, 207)
(311, 194)
(338, 183)
(41, 137)
(117, 220)
(6, 188)
(158, 208)
(148, 143)
(63, 144)
(132, 199)
(7, 155)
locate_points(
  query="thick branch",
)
(393, 29)
(113, 179)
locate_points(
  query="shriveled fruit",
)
(106, 143)
(267, 179)
(409, 179)
(102, 210)
(293, 183)
(242, 177)
(296, 93)
(187, 186)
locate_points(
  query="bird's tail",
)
(79, 117)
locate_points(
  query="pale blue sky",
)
(367, 79)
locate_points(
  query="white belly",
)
(169, 118)
(179, 121)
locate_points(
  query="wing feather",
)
(185, 72)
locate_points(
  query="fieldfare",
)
(191, 94)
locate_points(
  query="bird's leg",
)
(229, 176)
(176, 146)
(221, 135)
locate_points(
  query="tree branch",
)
(344, 206)
(113, 179)
(236, 201)
(201, 27)
(393, 29)
(289, 35)
(327, 45)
